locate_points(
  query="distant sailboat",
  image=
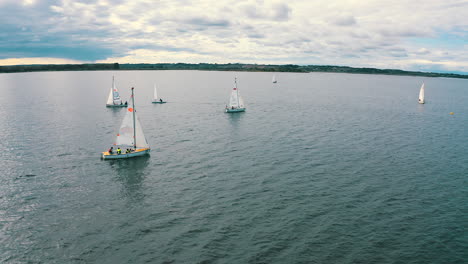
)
(114, 100)
(157, 100)
(421, 94)
(236, 103)
(274, 79)
(130, 137)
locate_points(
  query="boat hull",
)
(136, 153)
(235, 110)
(158, 102)
(112, 105)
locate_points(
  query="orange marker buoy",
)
(451, 113)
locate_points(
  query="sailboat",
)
(421, 94)
(114, 100)
(157, 100)
(274, 79)
(236, 103)
(130, 137)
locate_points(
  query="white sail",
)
(274, 79)
(140, 136)
(115, 95)
(241, 102)
(421, 94)
(155, 96)
(233, 101)
(110, 98)
(125, 137)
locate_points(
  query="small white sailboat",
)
(157, 100)
(130, 137)
(236, 103)
(114, 100)
(421, 94)
(274, 79)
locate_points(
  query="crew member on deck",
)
(119, 151)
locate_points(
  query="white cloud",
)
(392, 33)
(30, 61)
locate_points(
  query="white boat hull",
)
(235, 110)
(139, 152)
(113, 105)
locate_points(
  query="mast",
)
(237, 91)
(113, 85)
(134, 125)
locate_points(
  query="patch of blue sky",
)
(79, 52)
(443, 39)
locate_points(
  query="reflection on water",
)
(235, 118)
(130, 173)
(420, 108)
(116, 111)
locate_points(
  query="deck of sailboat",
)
(235, 110)
(136, 153)
(117, 105)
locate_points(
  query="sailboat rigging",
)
(130, 137)
(236, 103)
(156, 99)
(114, 100)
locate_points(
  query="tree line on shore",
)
(219, 67)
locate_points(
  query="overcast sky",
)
(426, 35)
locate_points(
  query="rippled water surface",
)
(322, 168)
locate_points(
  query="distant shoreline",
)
(220, 67)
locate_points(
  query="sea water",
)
(321, 168)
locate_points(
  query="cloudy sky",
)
(426, 35)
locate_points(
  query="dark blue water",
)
(322, 168)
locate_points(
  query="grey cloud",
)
(345, 21)
(255, 35)
(203, 21)
(281, 12)
(360, 35)
(405, 32)
(251, 12)
(278, 12)
(398, 54)
(335, 42)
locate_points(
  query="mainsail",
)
(236, 101)
(421, 94)
(155, 97)
(125, 137)
(114, 96)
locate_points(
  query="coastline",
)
(221, 67)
